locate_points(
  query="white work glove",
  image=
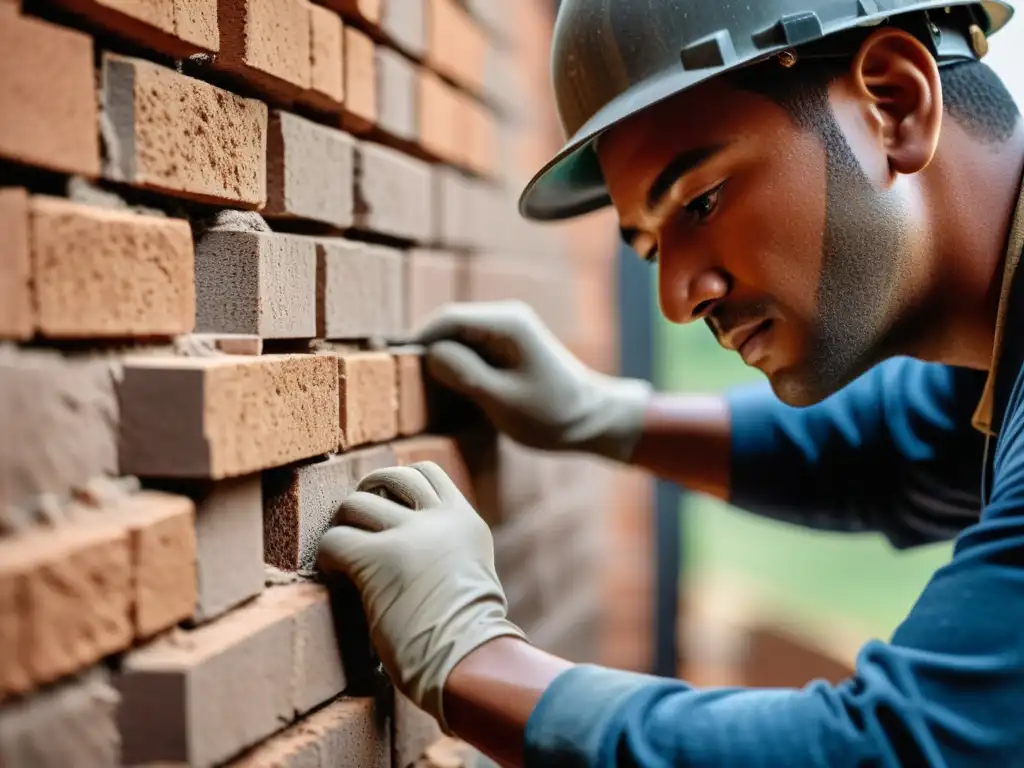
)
(423, 562)
(502, 357)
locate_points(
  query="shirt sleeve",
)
(904, 425)
(945, 690)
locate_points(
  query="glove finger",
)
(454, 322)
(340, 548)
(371, 512)
(461, 369)
(441, 482)
(403, 484)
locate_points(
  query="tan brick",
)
(101, 272)
(310, 171)
(363, 10)
(439, 113)
(71, 724)
(267, 43)
(404, 22)
(361, 289)
(394, 193)
(60, 425)
(396, 95)
(178, 28)
(369, 398)
(256, 283)
(456, 45)
(412, 394)
(481, 128)
(202, 697)
(17, 316)
(414, 731)
(433, 281)
(72, 588)
(346, 733)
(360, 81)
(46, 81)
(299, 503)
(225, 417)
(327, 60)
(182, 136)
(443, 451)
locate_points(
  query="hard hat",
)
(613, 58)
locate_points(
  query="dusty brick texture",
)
(178, 28)
(369, 398)
(266, 42)
(326, 60)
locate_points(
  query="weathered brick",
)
(266, 42)
(46, 80)
(102, 272)
(178, 28)
(327, 60)
(17, 315)
(404, 22)
(348, 733)
(180, 135)
(360, 81)
(224, 417)
(433, 279)
(256, 282)
(204, 696)
(60, 425)
(455, 43)
(412, 394)
(439, 113)
(310, 171)
(300, 502)
(72, 724)
(414, 731)
(369, 398)
(440, 449)
(393, 192)
(396, 97)
(360, 289)
(70, 590)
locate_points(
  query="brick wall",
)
(220, 217)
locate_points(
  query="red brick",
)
(396, 96)
(439, 114)
(404, 22)
(455, 43)
(102, 272)
(327, 60)
(202, 697)
(178, 28)
(433, 280)
(224, 417)
(443, 451)
(369, 398)
(347, 732)
(72, 591)
(300, 502)
(310, 171)
(266, 42)
(47, 96)
(394, 193)
(412, 394)
(414, 732)
(256, 283)
(360, 290)
(60, 425)
(17, 316)
(74, 723)
(360, 81)
(182, 136)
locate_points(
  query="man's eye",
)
(705, 205)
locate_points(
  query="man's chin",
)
(796, 388)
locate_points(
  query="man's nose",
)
(688, 296)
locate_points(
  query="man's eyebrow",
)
(683, 163)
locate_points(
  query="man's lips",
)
(748, 340)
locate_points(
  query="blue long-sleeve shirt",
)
(894, 452)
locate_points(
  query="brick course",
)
(178, 28)
(17, 314)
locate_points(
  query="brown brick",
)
(404, 22)
(224, 417)
(412, 395)
(327, 60)
(300, 502)
(17, 316)
(360, 81)
(72, 588)
(432, 278)
(266, 42)
(439, 113)
(256, 283)
(443, 451)
(101, 272)
(396, 96)
(369, 398)
(46, 81)
(178, 28)
(361, 289)
(364, 10)
(310, 171)
(60, 424)
(183, 136)
(348, 733)
(394, 193)
(202, 697)
(456, 45)
(414, 731)
(71, 724)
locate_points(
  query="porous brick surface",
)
(369, 398)
(178, 28)
(327, 59)
(266, 42)
(360, 289)
(17, 314)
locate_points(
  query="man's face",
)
(791, 242)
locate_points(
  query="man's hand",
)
(423, 561)
(502, 357)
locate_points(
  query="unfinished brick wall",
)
(220, 218)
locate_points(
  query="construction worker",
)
(834, 187)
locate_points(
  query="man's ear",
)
(899, 80)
